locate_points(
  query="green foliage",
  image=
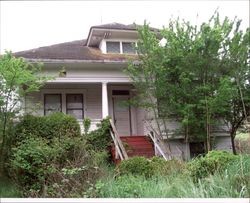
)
(149, 167)
(162, 167)
(232, 182)
(100, 138)
(212, 60)
(8, 189)
(214, 161)
(17, 79)
(50, 157)
(31, 162)
(86, 125)
(51, 126)
(135, 166)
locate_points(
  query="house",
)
(90, 82)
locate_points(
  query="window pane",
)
(120, 92)
(113, 47)
(76, 113)
(128, 48)
(52, 103)
(74, 101)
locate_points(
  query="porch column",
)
(105, 109)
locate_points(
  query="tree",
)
(237, 59)
(17, 79)
(190, 78)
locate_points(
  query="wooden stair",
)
(135, 146)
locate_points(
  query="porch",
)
(90, 100)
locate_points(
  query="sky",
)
(30, 24)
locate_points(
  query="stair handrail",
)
(117, 141)
(154, 139)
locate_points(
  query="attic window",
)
(128, 48)
(113, 47)
(120, 47)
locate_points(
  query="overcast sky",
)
(32, 24)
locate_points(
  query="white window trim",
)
(103, 45)
(63, 93)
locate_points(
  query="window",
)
(120, 92)
(128, 48)
(120, 47)
(74, 105)
(52, 103)
(113, 47)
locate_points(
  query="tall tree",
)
(190, 78)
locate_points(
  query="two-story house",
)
(90, 82)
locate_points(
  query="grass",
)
(234, 182)
(8, 189)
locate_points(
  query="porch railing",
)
(120, 151)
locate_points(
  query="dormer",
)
(113, 38)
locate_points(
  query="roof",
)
(75, 50)
(119, 26)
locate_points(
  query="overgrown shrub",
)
(135, 166)
(31, 162)
(86, 125)
(53, 125)
(51, 158)
(100, 138)
(213, 161)
(149, 167)
(162, 167)
(232, 182)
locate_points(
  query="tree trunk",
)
(232, 136)
(2, 147)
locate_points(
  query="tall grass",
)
(233, 182)
(8, 189)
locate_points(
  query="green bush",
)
(50, 157)
(60, 124)
(86, 125)
(53, 125)
(233, 182)
(162, 167)
(213, 161)
(135, 166)
(150, 167)
(100, 138)
(30, 162)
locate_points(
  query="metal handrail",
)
(120, 150)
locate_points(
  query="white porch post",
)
(105, 109)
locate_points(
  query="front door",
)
(122, 116)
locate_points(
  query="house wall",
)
(223, 143)
(92, 99)
(179, 149)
